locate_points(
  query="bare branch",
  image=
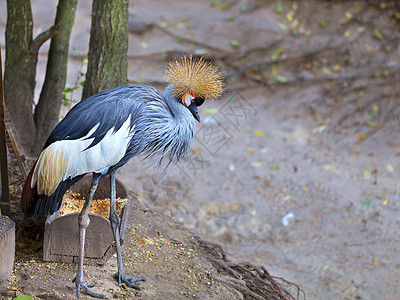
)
(41, 39)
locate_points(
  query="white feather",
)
(98, 158)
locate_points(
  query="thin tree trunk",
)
(20, 69)
(47, 112)
(107, 59)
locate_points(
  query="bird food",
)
(73, 202)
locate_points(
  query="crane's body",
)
(101, 133)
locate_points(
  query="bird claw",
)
(85, 287)
(128, 280)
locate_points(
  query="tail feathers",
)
(28, 193)
(43, 205)
(48, 205)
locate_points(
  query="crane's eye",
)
(199, 101)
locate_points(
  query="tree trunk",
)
(20, 69)
(107, 59)
(47, 112)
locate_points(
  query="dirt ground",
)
(297, 167)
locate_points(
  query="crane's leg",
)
(83, 224)
(115, 221)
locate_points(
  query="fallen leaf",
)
(326, 71)
(276, 53)
(215, 2)
(258, 133)
(376, 34)
(308, 32)
(360, 136)
(370, 124)
(250, 150)
(287, 197)
(330, 168)
(367, 202)
(280, 79)
(230, 19)
(390, 168)
(320, 129)
(274, 166)
(282, 25)
(200, 51)
(224, 6)
(385, 202)
(289, 15)
(234, 44)
(256, 164)
(144, 44)
(325, 267)
(278, 8)
(212, 111)
(367, 47)
(196, 150)
(322, 24)
(348, 14)
(179, 39)
(367, 174)
(347, 33)
(374, 110)
(272, 73)
(146, 240)
(360, 29)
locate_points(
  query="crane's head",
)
(193, 80)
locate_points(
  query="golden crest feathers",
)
(195, 75)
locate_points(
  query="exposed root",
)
(260, 284)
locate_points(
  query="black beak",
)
(193, 109)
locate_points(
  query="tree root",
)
(254, 282)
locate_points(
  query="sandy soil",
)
(323, 145)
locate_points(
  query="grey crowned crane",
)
(101, 133)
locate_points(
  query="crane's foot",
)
(128, 280)
(85, 287)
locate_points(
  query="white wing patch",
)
(77, 160)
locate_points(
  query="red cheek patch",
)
(187, 99)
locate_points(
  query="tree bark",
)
(20, 69)
(107, 59)
(47, 111)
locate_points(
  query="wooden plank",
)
(19, 152)
(5, 205)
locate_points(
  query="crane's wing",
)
(106, 109)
